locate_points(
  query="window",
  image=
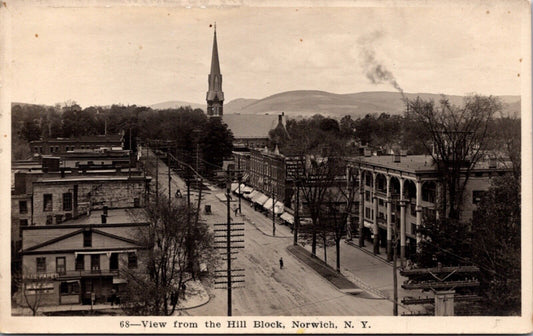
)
(60, 265)
(477, 195)
(413, 228)
(413, 209)
(95, 263)
(67, 201)
(367, 196)
(49, 220)
(136, 202)
(23, 207)
(47, 202)
(380, 202)
(381, 215)
(113, 261)
(87, 238)
(132, 260)
(368, 214)
(80, 262)
(69, 288)
(41, 264)
(59, 219)
(23, 222)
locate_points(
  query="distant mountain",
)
(307, 103)
(176, 104)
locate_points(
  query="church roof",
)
(246, 126)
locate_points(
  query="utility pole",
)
(239, 181)
(168, 165)
(228, 239)
(156, 179)
(296, 224)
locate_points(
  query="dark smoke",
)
(376, 72)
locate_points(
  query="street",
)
(268, 290)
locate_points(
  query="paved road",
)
(294, 290)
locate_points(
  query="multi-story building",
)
(408, 187)
(62, 145)
(83, 259)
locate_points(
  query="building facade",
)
(62, 145)
(404, 189)
(80, 261)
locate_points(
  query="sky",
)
(146, 55)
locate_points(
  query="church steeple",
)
(215, 96)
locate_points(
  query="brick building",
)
(62, 145)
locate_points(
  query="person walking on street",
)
(280, 263)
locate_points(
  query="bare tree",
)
(32, 291)
(159, 285)
(459, 139)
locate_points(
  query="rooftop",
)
(417, 163)
(114, 216)
(250, 126)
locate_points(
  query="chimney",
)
(280, 118)
(104, 219)
(367, 152)
(493, 163)
(105, 210)
(396, 158)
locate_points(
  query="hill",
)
(171, 104)
(307, 103)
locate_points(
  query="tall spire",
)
(215, 66)
(215, 96)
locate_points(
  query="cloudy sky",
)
(145, 55)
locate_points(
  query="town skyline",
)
(144, 56)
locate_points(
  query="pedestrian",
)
(280, 263)
(236, 210)
(113, 296)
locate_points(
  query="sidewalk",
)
(336, 278)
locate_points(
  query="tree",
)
(216, 143)
(32, 291)
(158, 287)
(458, 140)
(497, 229)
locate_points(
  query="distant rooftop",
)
(250, 126)
(114, 216)
(85, 138)
(416, 163)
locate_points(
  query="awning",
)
(287, 217)
(234, 186)
(268, 204)
(245, 177)
(368, 224)
(279, 208)
(247, 190)
(251, 195)
(261, 199)
(117, 281)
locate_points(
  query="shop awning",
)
(368, 224)
(251, 195)
(287, 217)
(117, 281)
(234, 187)
(268, 204)
(279, 208)
(247, 190)
(261, 199)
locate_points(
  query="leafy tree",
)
(30, 130)
(497, 228)
(158, 287)
(216, 142)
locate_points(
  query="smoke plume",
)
(376, 72)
